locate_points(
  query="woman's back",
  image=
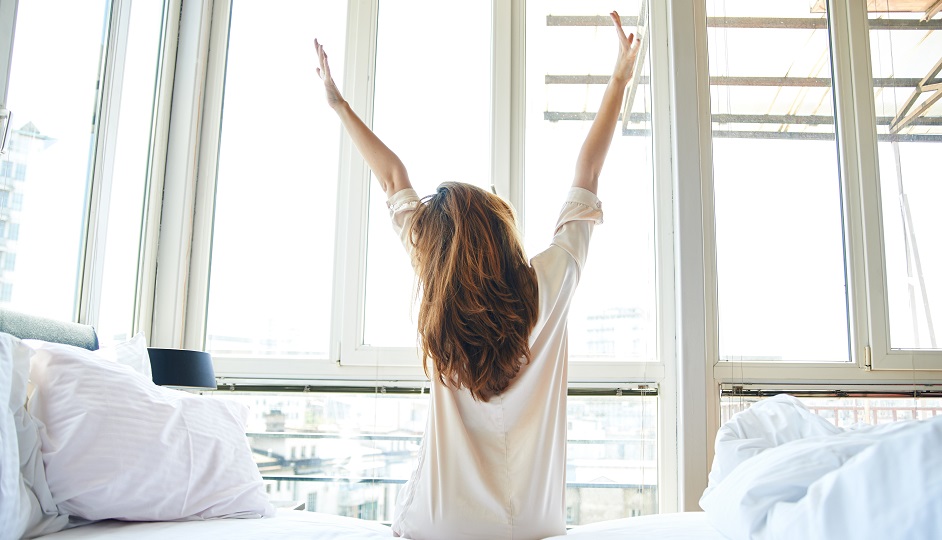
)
(496, 469)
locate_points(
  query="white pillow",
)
(26, 505)
(117, 446)
(132, 353)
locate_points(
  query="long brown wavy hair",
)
(479, 293)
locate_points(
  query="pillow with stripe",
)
(117, 446)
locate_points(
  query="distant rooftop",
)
(30, 129)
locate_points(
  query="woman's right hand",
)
(334, 98)
(386, 166)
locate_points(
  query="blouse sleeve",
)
(578, 217)
(402, 205)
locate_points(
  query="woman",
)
(493, 333)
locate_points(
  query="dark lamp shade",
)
(182, 368)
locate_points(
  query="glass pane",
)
(847, 412)
(906, 60)
(570, 53)
(349, 454)
(611, 458)
(44, 176)
(276, 194)
(779, 236)
(126, 205)
(440, 128)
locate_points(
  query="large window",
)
(790, 198)
(781, 289)
(53, 94)
(570, 54)
(125, 167)
(906, 53)
(78, 158)
(441, 133)
(276, 184)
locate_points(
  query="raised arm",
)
(597, 142)
(385, 164)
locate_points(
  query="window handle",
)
(6, 118)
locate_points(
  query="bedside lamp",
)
(182, 368)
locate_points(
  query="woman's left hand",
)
(628, 47)
(334, 98)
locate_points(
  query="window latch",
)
(6, 118)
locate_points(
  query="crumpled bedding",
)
(782, 472)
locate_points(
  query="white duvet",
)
(782, 472)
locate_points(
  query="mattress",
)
(289, 524)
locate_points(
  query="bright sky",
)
(47, 250)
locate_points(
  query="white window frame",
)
(145, 302)
(107, 109)
(103, 174)
(7, 30)
(180, 307)
(669, 308)
(866, 280)
(697, 399)
(878, 355)
(108, 113)
(700, 373)
(174, 322)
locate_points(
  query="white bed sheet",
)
(286, 524)
(781, 472)
(289, 524)
(676, 526)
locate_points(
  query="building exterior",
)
(24, 143)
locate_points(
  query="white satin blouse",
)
(497, 469)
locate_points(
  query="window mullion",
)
(857, 144)
(508, 90)
(180, 178)
(694, 246)
(7, 29)
(109, 107)
(353, 193)
(150, 235)
(668, 455)
(518, 110)
(205, 189)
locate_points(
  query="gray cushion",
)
(26, 326)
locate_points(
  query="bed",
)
(290, 524)
(98, 451)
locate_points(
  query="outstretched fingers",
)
(625, 40)
(324, 70)
(334, 98)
